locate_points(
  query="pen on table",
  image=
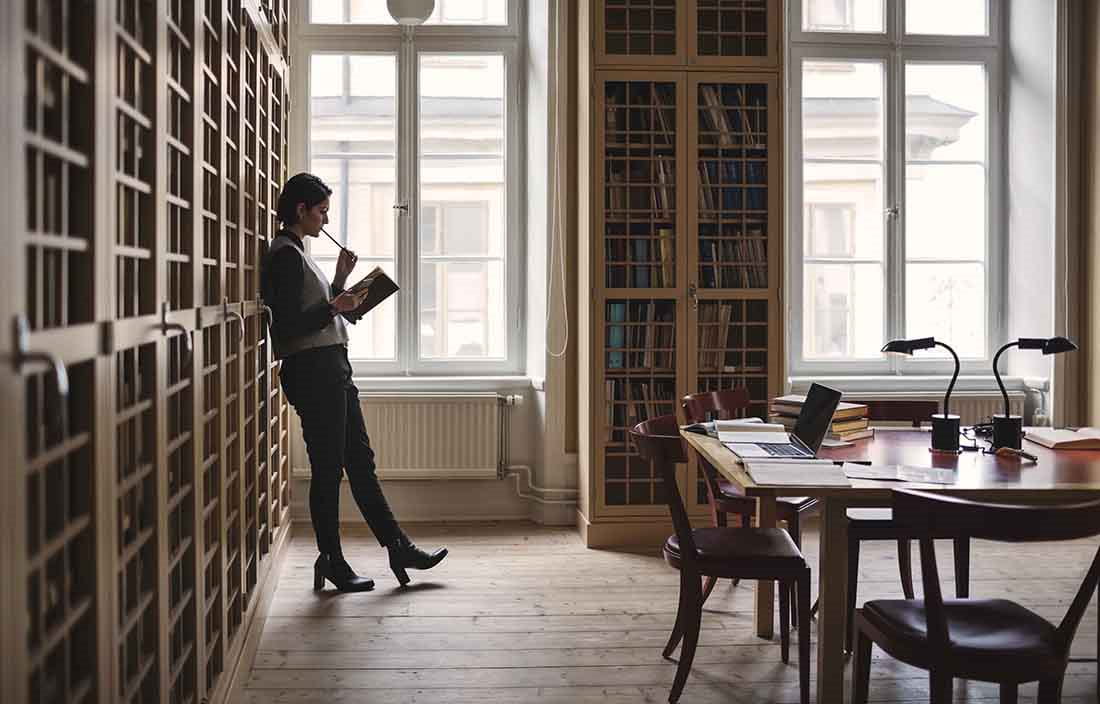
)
(1018, 453)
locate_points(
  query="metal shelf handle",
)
(24, 354)
(166, 326)
(233, 314)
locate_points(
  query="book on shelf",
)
(666, 243)
(716, 111)
(1065, 439)
(616, 335)
(746, 123)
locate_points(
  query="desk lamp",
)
(945, 427)
(1007, 428)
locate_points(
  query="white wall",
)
(1030, 95)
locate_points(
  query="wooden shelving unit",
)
(681, 176)
(140, 516)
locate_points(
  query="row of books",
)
(631, 402)
(651, 260)
(739, 263)
(727, 116)
(639, 114)
(659, 198)
(849, 420)
(641, 335)
(729, 195)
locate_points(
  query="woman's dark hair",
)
(301, 188)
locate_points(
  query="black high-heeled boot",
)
(404, 555)
(337, 570)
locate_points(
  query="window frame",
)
(893, 49)
(407, 47)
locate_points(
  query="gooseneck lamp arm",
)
(997, 374)
(947, 396)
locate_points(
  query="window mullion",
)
(895, 169)
(405, 225)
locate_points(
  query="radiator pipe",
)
(516, 469)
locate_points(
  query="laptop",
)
(809, 430)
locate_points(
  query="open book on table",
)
(1080, 439)
(379, 287)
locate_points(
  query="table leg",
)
(765, 591)
(832, 573)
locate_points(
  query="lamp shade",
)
(1057, 345)
(410, 12)
(909, 346)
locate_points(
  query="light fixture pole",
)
(945, 426)
(1008, 430)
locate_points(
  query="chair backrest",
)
(720, 405)
(914, 412)
(929, 515)
(658, 441)
(710, 405)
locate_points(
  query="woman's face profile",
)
(311, 220)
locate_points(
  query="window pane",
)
(462, 310)
(842, 15)
(947, 301)
(843, 311)
(468, 12)
(843, 228)
(945, 112)
(954, 17)
(352, 145)
(462, 206)
(945, 211)
(946, 195)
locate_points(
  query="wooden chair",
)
(991, 640)
(746, 553)
(878, 524)
(724, 496)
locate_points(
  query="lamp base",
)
(1008, 431)
(945, 433)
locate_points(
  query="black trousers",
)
(318, 384)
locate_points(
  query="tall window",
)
(418, 133)
(895, 203)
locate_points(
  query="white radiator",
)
(971, 406)
(436, 436)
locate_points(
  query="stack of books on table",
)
(849, 420)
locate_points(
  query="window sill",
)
(911, 385)
(439, 384)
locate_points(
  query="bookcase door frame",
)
(602, 293)
(599, 37)
(774, 28)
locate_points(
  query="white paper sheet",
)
(796, 474)
(744, 436)
(899, 473)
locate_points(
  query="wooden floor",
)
(522, 613)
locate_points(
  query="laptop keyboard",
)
(783, 450)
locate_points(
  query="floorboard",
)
(524, 613)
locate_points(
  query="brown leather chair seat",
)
(760, 547)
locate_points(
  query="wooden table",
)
(1057, 476)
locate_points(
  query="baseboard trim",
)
(234, 678)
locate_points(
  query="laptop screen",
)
(816, 415)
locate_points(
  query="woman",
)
(309, 334)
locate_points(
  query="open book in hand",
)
(379, 287)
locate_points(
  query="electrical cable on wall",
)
(557, 239)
